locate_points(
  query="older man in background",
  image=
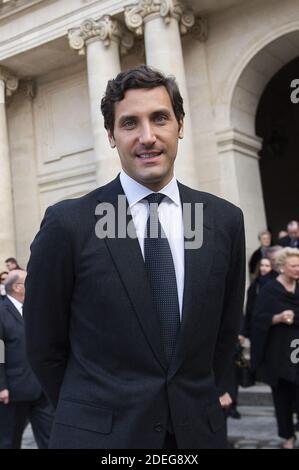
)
(292, 238)
(21, 397)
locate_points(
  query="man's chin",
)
(154, 177)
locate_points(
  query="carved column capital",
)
(28, 88)
(200, 29)
(105, 29)
(135, 15)
(10, 80)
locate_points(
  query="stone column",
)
(103, 40)
(8, 84)
(23, 167)
(238, 162)
(162, 22)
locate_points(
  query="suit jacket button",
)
(159, 427)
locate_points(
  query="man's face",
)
(11, 265)
(293, 232)
(19, 287)
(265, 266)
(291, 268)
(265, 240)
(146, 135)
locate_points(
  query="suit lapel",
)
(129, 262)
(198, 264)
(15, 313)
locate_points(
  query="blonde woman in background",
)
(275, 325)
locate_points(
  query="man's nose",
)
(147, 136)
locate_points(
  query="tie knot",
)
(155, 198)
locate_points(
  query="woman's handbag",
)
(244, 373)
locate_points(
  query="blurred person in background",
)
(271, 254)
(265, 241)
(281, 234)
(292, 238)
(11, 264)
(3, 276)
(275, 324)
(21, 397)
(262, 276)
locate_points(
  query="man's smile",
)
(149, 155)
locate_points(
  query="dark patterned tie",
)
(161, 273)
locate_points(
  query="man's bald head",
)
(14, 284)
(293, 229)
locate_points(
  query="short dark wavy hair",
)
(139, 77)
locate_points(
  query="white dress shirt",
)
(16, 303)
(170, 216)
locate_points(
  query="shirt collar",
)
(135, 191)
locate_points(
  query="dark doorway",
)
(277, 123)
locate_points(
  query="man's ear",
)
(111, 139)
(181, 129)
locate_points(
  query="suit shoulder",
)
(217, 203)
(222, 204)
(85, 205)
(284, 241)
(75, 218)
(74, 205)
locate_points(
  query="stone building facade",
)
(56, 57)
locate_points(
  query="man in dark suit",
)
(131, 334)
(21, 397)
(292, 238)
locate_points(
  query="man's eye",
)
(161, 118)
(129, 123)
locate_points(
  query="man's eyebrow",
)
(125, 117)
(164, 111)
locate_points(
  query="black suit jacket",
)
(93, 333)
(16, 374)
(286, 241)
(254, 259)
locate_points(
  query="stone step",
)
(258, 395)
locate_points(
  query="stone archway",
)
(237, 141)
(277, 121)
